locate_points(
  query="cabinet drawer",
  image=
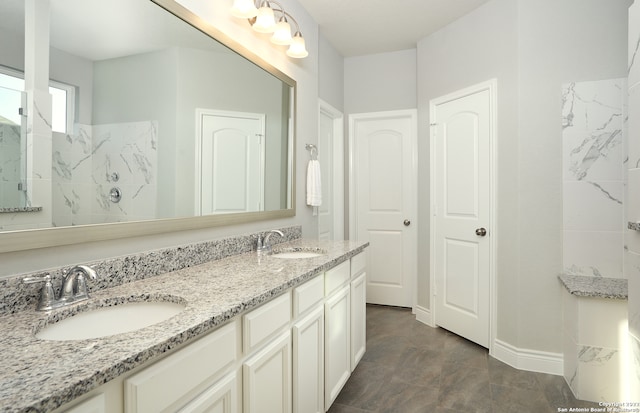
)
(181, 375)
(307, 295)
(358, 263)
(336, 277)
(263, 322)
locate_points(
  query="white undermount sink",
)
(108, 321)
(298, 253)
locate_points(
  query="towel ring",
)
(313, 149)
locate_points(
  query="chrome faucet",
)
(73, 290)
(263, 246)
(74, 285)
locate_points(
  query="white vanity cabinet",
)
(292, 354)
(345, 323)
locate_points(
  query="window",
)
(63, 98)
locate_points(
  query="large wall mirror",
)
(165, 127)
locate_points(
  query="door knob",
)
(481, 232)
(406, 222)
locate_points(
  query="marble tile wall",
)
(596, 164)
(10, 165)
(594, 155)
(595, 347)
(94, 159)
(632, 257)
(72, 181)
(125, 157)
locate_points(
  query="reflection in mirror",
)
(160, 120)
(13, 145)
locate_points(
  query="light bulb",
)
(265, 20)
(282, 34)
(297, 48)
(244, 9)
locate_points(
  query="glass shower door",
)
(13, 147)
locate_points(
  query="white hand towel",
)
(314, 184)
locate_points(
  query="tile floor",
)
(411, 367)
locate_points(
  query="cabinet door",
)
(358, 319)
(337, 345)
(222, 397)
(267, 378)
(308, 363)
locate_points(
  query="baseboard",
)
(525, 359)
(423, 315)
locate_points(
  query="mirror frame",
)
(19, 240)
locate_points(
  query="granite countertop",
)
(21, 209)
(599, 287)
(39, 376)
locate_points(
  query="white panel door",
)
(232, 162)
(325, 149)
(383, 204)
(331, 157)
(461, 145)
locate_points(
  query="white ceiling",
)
(353, 27)
(361, 27)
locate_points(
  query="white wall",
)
(330, 75)
(12, 52)
(380, 82)
(76, 71)
(532, 48)
(304, 71)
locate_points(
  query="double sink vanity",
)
(243, 332)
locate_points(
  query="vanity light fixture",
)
(262, 17)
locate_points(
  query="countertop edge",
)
(596, 287)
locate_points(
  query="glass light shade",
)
(244, 9)
(297, 47)
(282, 34)
(265, 21)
